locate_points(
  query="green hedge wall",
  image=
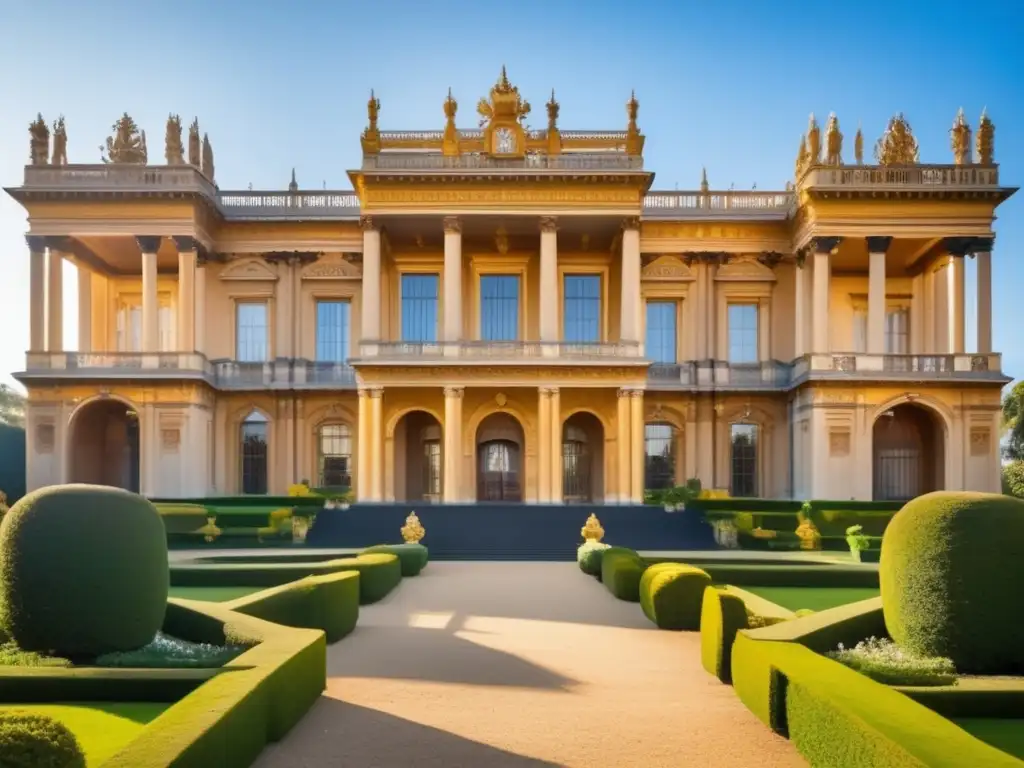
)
(722, 615)
(413, 557)
(621, 570)
(671, 595)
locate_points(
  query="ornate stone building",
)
(511, 313)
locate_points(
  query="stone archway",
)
(582, 458)
(500, 458)
(104, 445)
(419, 457)
(908, 453)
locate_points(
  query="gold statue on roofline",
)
(174, 150)
(833, 141)
(504, 101)
(60, 143)
(897, 145)
(960, 139)
(39, 141)
(127, 144)
(985, 140)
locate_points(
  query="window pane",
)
(251, 337)
(742, 333)
(744, 460)
(335, 448)
(897, 331)
(419, 307)
(432, 468)
(659, 456)
(499, 307)
(582, 309)
(166, 329)
(129, 329)
(860, 330)
(254, 454)
(332, 318)
(661, 331)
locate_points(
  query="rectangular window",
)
(251, 333)
(129, 328)
(897, 331)
(742, 333)
(744, 460)
(661, 331)
(499, 307)
(860, 330)
(332, 318)
(582, 310)
(419, 307)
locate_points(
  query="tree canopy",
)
(12, 406)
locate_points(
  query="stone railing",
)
(160, 364)
(139, 179)
(909, 178)
(570, 161)
(288, 205)
(718, 374)
(724, 205)
(916, 367)
(515, 351)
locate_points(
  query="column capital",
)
(982, 244)
(548, 391)
(149, 243)
(636, 393)
(452, 225)
(826, 244)
(455, 393)
(958, 246)
(624, 392)
(366, 224)
(185, 243)
(36, 243)
(370, 391)
(879, 243)
(631, 223)
(548, 224)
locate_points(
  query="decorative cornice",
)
(878, 243)
(149, 243)
(292, 257)
(826, 244)
(452, 225)
(548, 224)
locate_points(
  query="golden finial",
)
(373, 109)
(897, 145)
(60, 143)
(39, 141)
(813, 141)
(174, 150)
(207, 167)
(801, 157)
(503, 85)
(833, 141)
(194, 144)
(370, 137)
(632, 106)
(960, 139)
(985, 140)
(592, 530)
(858, 146)
(451, 106)
(293, 185)
(704, 181)
(412, 532)
(553, 110)
(634, 139)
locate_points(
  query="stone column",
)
(555, 437)
(623, 439)
(983, 255)
(371, 281)
(363, 447)
(629, 305)
(186, 316)
(149, 245)
(549, 280)
(543, 445)
(636, 446)
(823, 249)
(377, 444)
(941, 305)
(55, 302)
(452, 279)
(958, 248)
(452, 478)
(37, 292)
(283, 310)
(800, 307)
(877, 249)
(84, 309)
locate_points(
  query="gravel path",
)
(506, 665)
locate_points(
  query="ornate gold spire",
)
(174, 151)
(858, 146)
(704, 181)
(208, 171)
(801, 157)
(60, 143)
(634, 139)
(833, 141)
(504, 102)
(813, 141)
(451, 106)
(960, 139)
(127, 144)
(897, 145)
(986, 140)
(450, 142)
(39, 141)
(370, 138)
(553, 109)
(195, 156)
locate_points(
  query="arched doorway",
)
(582, 458)
(418, 458)
(499, 458)
(105, 445)
(908, 453)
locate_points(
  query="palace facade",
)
(506, 313)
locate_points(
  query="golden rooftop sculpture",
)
(833, 141)
(194, 145)
(986, 140)
(813, 141)
(127, 144)
(39, 141)
(897, 145)
(960, 139)
(592, 530)
(858, 146)
(60, 143)
(174, 151)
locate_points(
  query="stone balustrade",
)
(909, 178)
(569, 161)
(731, 204)
(497, 351)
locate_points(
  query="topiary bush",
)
(413, 557)
(952, 580)
(589, 556)
(671, 595)
(35, 741)
(722, 615)
(621, 570)
(83, 571)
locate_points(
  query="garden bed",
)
(813, 598)
(212, 594)
(1003, 734)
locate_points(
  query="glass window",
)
(419, 307)
(332, 318)
(251, 339)
(582, 308)
(334, 446)
(659, 456)
(254, 453)
(661, 331)
(860, 330)
(897, 331)
(432, 468)
(743, 333)
(499, 307)
(744, 460)
(129, 328)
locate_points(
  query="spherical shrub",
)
(952, 580)
(35, 741)
(83, 571)
(413, 557)
(589, 556)
(671, 595)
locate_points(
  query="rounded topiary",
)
(413, 557)
(621, 570)
(671, 595)
(722, 615)
(952, 580)
(35, 741)
(589, 556)
(83, 571)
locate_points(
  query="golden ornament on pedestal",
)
(412, 531)
(809, 535)
(592, 530)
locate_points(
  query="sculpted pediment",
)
(333, 266)
(667, 268)
(745, 269)
(248, 269)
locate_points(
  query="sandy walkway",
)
(505, 665)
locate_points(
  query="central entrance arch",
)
(582, 458)
(908, 453)
(500, 446)
(104, 445)
(418, 458)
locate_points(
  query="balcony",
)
(569, 161)
(861, 366)
(490, 352)
(719, 205)
(719, 375)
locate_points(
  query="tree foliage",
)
(1013, 422)
(12, 406)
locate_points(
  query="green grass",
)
(102, 728)
(814, 598)
(212, 594)
(1005, 734)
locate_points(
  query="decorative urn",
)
(412, 531)
(592, 530)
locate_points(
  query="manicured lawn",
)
(102, 728)
(815, 598)
(213, 594)
(1005, 734)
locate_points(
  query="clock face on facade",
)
(504, 141)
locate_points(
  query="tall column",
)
(363, 447)
(199, 315)
(877, 249)
(629, 305)
(555, 436)
(800, 307)
(283, 310)
(149, 245)
(941, 304)
(823, 249)
(983, 255)
(543, 445)
(764, 330)
(186, 317)
(377, 444)
(917, 315)
(452, 279)
(958, 248)
(371, 280)
(452, 476)
(55, 302)
(37, 292)
(549, 279)
(84, 309)
(623, 439)
(636, 446)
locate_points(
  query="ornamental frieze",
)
(499, 195)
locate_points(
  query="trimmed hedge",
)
(807, 575)
(971, 697)
(35, 741)
(182, 518)
(83, 571)
(621, 571)
(329, 602)
(39, 685)
(722, 615)
(589, 556)
(413, 557)
(952, 580)
(671, 595)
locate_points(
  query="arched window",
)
(254, 453)
(575, 464)
(743, 449)
(659, 456)
(432, 468)
(334, 449)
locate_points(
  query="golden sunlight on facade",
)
(506, 313)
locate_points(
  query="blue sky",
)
(726, 85)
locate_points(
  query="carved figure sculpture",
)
(553, 110)
(897, 145)
(833, 141)
(174, 152)
(801, 157)
(960, 139)
(504, 101)
(39, 141)
(813, 142)
(60, 143)
(858, 146)
(194, 151)
(208, 159)
(127, 144)
(986, 140)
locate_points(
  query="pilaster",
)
(371, 280)
(149, 245)
(983, 256)
(623, 443)
(452, 279)
(877, 249)
(800, 308)
(452, 444)
(629, 305)
(284, 312)
(199, 331)
(555, 436)
(37, 292)
(549, 279)
(636, 446)
(377, 444)
(363, 452)
(824, 247)
(544, 460)
(55, 301)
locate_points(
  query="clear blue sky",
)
(726, 85)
